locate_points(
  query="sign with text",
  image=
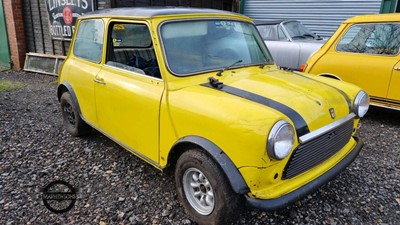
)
(63, 15)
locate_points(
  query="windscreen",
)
(192, 47)
(297, 30)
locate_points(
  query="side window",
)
(89, 40)
(378, 39)
(131, 49)
(268, 32)
(131, 35)
(281, 34)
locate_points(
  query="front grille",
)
(314, 152)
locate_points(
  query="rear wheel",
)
(204, 189)
(73, 123)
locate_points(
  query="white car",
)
(289, 42)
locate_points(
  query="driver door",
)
(127, 98)
(394, 86)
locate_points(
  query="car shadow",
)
(383, 115)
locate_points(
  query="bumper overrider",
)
(283, 201)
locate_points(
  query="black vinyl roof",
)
(153, 11)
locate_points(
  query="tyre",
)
(73, 123)
(204, 190)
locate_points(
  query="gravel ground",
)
(115, 187)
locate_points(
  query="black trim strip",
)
(299, 122)
(337, 89)
(384, 100)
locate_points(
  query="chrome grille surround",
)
(319, 145)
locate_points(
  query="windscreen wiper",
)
(228, 67)
(308, 35)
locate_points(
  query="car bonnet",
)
(306, 102)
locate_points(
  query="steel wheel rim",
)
(198, 191)
(69, 114)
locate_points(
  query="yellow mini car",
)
(365, 51)
(196, 91)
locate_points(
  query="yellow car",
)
(364, 50)
(196, 91)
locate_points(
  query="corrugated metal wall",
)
(321, 16)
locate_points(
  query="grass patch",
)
(6, 85)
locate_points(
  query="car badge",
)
(332, 112)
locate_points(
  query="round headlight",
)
(280, 140)
(361, 104)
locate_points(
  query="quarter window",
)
(268, 32)
(89, 40)
(281, 34)
(380, 39)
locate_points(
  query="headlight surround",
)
(280, 140)
(361, 104)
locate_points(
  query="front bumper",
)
(283, 201)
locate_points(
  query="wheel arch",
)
(66, 87)
(225, 163)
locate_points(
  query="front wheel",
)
(204, 189)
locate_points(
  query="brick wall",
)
(16, 32)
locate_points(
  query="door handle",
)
(99, 80)
(396, 68)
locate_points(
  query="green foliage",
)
(6, 85)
